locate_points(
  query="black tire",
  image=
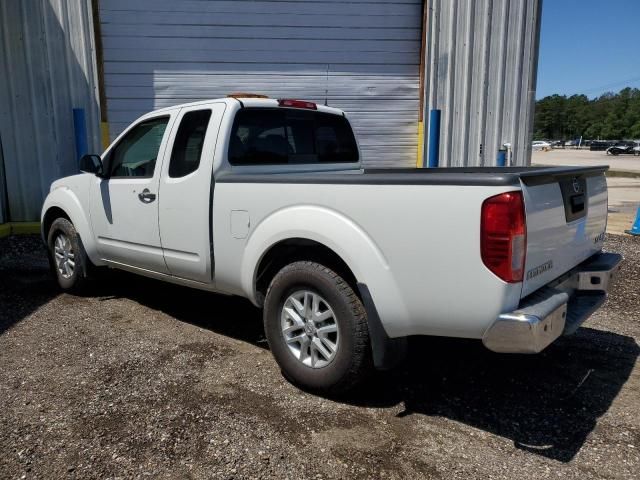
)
(77, 280)
(352, 361)
(615, 152)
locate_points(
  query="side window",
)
(135, 155)
(187, 147)
(285, 136)
(258, 137)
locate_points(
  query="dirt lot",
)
(142, 379)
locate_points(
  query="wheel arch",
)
(49, 217)
(319, 231)
(292, 250)
(315, 230)
(63, 203)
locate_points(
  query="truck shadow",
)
(230, 316)
(26, 282)
(547, 403)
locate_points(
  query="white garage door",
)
(363, 56)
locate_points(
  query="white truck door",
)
(124, 206)
(186, 190)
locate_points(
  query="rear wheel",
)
(67, 256)
(317, 328)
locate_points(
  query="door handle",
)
(146, 196)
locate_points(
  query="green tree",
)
(610, 116)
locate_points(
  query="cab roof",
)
(248, 102)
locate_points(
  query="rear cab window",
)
(277, 136)
(188, 144)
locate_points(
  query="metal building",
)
(481, 60)
(47, 68)
(388, 63)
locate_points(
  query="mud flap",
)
(387, 352)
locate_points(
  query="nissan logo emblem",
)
(576, 185)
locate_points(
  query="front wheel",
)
(67, 256)
(316, 327)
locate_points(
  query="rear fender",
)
(338, 233)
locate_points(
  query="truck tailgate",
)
(566, 212)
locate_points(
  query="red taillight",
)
(503, 236)
(288, 102)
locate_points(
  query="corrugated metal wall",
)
(47, 68)
(366, 54)
(481, 66)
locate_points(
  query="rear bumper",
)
(558, 308)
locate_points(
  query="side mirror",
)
(92, 163)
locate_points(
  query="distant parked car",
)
(625, 148)
(541, 145)
(600, 145)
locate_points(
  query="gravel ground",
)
(143, 379)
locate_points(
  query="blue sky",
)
(589, 46)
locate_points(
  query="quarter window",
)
(187, 147)
(136, 154)
(288, 136)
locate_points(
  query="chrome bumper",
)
(557, 309)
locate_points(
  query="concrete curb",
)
(622, 174)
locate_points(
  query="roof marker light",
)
(289, 102)
(246, 95)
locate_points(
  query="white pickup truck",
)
(267, 199)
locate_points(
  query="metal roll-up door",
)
(362, 56)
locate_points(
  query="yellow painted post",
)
(104, 131)
(419, 161)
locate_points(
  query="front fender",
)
(66, 199)
(335, 231)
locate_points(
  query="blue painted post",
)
(502, 158)
(80, 131)
(635, 229)
(434, 138)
